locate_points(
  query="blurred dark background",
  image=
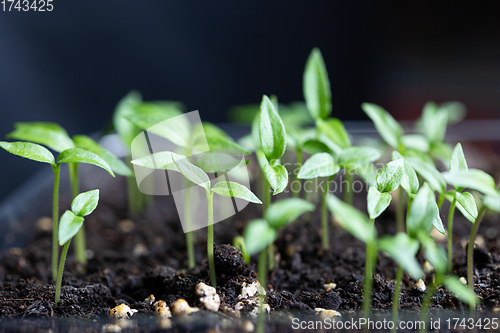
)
(73, 64)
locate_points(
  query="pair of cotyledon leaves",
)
(56, 138)
(72, 220)
(401, 247)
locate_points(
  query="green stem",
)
(60, 272)
(470, 250)
(296, 194)
(267, 195)
(400, 222)
(324, 216)
(55, 220)
(210, 239)
(395, 299)
(189, 235)
(239, 243)
(424, 312)
(80, 246)
(262, 269)
(270, 254)
(348, 194)
(371, 259)
(450, 233)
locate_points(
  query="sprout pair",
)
(38, 153)
(173, 162)
(71, 222)
(53, 136)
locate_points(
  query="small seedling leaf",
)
(402, 249)
(315, 146)
(429, 172)
(217, 140)
(456, 111)
(218, 162)
(409, 180)
(80, 155)
(467, 202)
(191, 172)
(351, 219)
(285, 211)
(422, 215)
(461, 291)
(258, 235)
(389, 129)
(352, 157)
(161, 161)
(69, 226)
(472, 178)
(48, 134)
(318, 165)
(416, 141)
(458, 162)
(441, 150)
(433, 253)
(316, 86)
(29, 150)
(377, 202)
(235, 190)
(390, 176)
(125, 129)
(434, 121)
(276, 175)
(492, 202)
(271, 131)
(451, 194)
(116, 164)
(85, 203)
(334, 129)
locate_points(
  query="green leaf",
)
(433, 253)
(295, 114)
(472, 178)
(351, 219)
(368, 173)
(441, 150)
(314, 146)
(217, 140)
(271, 131)
(68, 226)
(152, 117)
(85, 203)
(416, 141)
(422, 213)
(334, 129)
(256, 131)
(389, 129)
(461, 291)
(258, 235)
(276, 175)
(80, 155)
(116, 164)
(235, 190)
(458, 162)
(125, 129)
(409, 180)
(316, 86)
(217, 162)
(352, 157)
(389, 177)
(285, 211)
(456, 111)
(377, 202)
(29, 150)
(402, 249)
(318, 165)
(429, 172)
(466, 201)
(492, 202)
(48, 134)
(434, 122)
(191, 172)
(161, 161)
(451, 194)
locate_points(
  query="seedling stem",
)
(210, 238)
(80, 246)
(347, 187)
(450, 233)
(395, 300)
(324, 216)
(470, 251)
(61, 271)
(55, 219)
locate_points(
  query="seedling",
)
(71, 222)
(56, 138)
(39, 153)
(190, 138)
(260, 234)
(478, 180)
(174, 162)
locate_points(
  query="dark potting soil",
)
(132, 257)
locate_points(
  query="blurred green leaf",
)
(258, 235)
(318, 165)
(416, 141)
(434, 121)
(334, 129)
(161, 161)
(29, 150)
(409, 180)
(80, 155)
(389, 178)
(276, 175)
(235, 190)
(429, 172)
(377, 202)
(460, 291)
(48, 134)
(472, 178)
(125, 129)
(389, 129)
(271, 131)
(316, 86)
(191, 172)
(352, 157)
(402, 249)
(285, 211)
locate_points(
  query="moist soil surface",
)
(134, 256)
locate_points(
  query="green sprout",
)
(71, 222)
(174, 162)
(39, 153)
(150, 116)
(321, 165)
(53, 136)
(461, 177)
(260, 234)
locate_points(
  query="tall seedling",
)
(39, 153)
